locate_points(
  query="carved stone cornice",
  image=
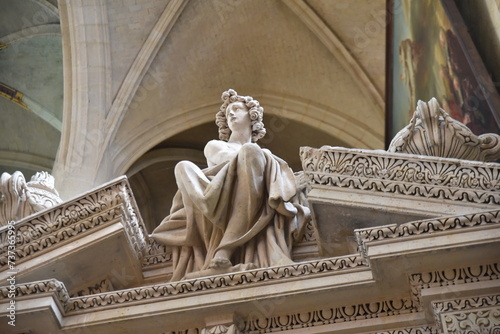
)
(301, 319)
(312, 318)
(174, 289)
(402, 174)
(450, 277)
(327, 316)
(413, 330)
(419, 281)
(426, 226)
(37, 288)
(70, 220)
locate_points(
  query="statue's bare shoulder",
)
(219, 151)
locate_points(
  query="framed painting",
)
(430, 54)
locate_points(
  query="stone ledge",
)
(73, 219)
(313, 269)
(430, 234)
(404, 174)
(257, 292)
(368, 315)
(427, 226)
(209, 294)
(352, 189)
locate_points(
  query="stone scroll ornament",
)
(242, 212)
(19, 199)
(433, 132)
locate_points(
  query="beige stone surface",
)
(141, 80)
(421, 276)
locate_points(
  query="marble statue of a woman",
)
(240, 210)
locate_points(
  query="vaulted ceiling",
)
(317, 67)
(31, 80)
(159, 68)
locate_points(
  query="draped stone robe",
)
(243, 204)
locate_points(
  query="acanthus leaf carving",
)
(70, 219)
(19, 198)
(382, 172)
(433, 132)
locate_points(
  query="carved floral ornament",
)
(433, 132)
(69, 220)
(469, 315)
(19, 198)
(457, 314)
(379, 171)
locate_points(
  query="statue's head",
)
(255, 111)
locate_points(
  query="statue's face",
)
(238, 116)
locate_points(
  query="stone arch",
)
(354, 132)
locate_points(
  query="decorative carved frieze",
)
(469, 315)
(68, 220)
(221, 329)
(471, 309)
(39, 287)
(406, 330)
(216, 282)
(305, 269)
(452, 276)
(413, 330)
(426, 226)
(432, 131)
(433, 226)
(19, 198)
(322, 317)
(403, 174)
(104, 285)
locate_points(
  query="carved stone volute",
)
(19, 198)
(433, 132)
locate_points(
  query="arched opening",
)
(152, 176)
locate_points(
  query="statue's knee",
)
(182, 167)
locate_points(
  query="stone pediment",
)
(87, 265)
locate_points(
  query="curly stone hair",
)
(254, 109)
